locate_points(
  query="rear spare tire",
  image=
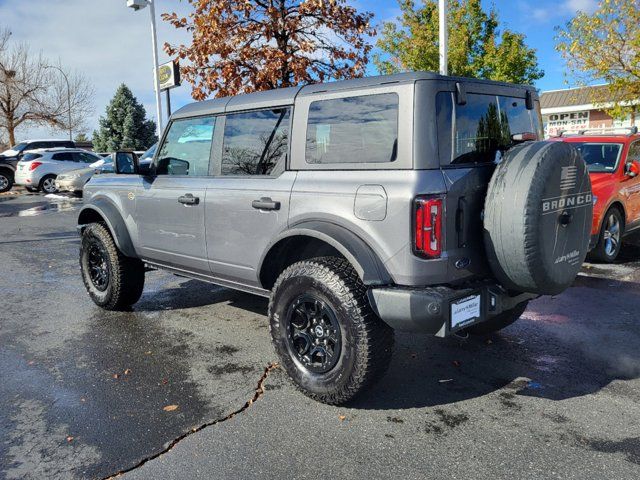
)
(538, 215)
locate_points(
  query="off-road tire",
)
(599, 252)
(498, 322)
(46, 178)
(6, 181)
(125, 274)
(367, 342)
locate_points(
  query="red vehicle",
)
(614, 165)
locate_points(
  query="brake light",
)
(428, 226)
(34, 165)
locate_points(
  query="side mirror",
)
(126, 163)
(632, 169)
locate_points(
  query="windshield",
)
(600, 157)
(483, 128)
(16, 148)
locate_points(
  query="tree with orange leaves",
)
(241, 46)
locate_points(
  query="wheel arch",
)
(318, 238)
(103, 211)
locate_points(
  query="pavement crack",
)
(258, 392)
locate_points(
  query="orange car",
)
(614, 166)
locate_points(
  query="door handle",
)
(265, 203)
(189, 199)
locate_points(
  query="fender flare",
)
(364, 260)
(115, 223)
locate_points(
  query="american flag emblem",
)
(568, 178)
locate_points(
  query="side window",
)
(86, 158)
(63, 157)
(256, 143)
(187, 147)
(634, 152)
(360, 129)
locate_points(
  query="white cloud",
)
(558, 12)
(104, 40)
(587, 6)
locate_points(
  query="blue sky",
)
(111, 44)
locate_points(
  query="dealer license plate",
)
(465, 310)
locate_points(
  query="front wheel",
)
(113, 281)
(610, 238)
(330, 342)
(500, 321)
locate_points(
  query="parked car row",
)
(54, 165)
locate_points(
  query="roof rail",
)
(602, 131)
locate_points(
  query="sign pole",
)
(154, 39)
(443, 35)
(168, 103)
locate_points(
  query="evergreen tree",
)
(125, 125)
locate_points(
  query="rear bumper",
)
(26, 179)
(427, 310)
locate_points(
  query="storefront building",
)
(572, 110)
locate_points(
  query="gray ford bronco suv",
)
(415, 202)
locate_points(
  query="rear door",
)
(472, 138)
(170, 204)
(248, 199)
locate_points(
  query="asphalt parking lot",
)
(90, 394)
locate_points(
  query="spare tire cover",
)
(538, 215)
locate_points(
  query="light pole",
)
(443, 35)
(138, 5)
(66, 79)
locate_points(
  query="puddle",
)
(68, 204)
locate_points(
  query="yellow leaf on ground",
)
(170, 408)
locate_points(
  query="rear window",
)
(63, 157)
(600, 157)
(360, 129)
(480, 130)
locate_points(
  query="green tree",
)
(477, 48)
(606, 46)
(125, 125)
(81, 138)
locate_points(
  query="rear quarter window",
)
(362, 129)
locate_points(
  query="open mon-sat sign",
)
(169, 75)
(568, 122)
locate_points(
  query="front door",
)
(170, 204)
(632, 187)
(248, 200)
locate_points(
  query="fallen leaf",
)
(164, 381)
(82, 399)
(69, 438)
(116, 375)
(31, 362)
(127, 371)
(456, 363)
(342, 418)
(148, 353)
(170, 408)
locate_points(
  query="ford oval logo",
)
(463, 263)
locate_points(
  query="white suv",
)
(38, 169)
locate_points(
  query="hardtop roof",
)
(286, 96)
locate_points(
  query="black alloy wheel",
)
(314, 337)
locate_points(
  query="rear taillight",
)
(428, 226)
(34, 165)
